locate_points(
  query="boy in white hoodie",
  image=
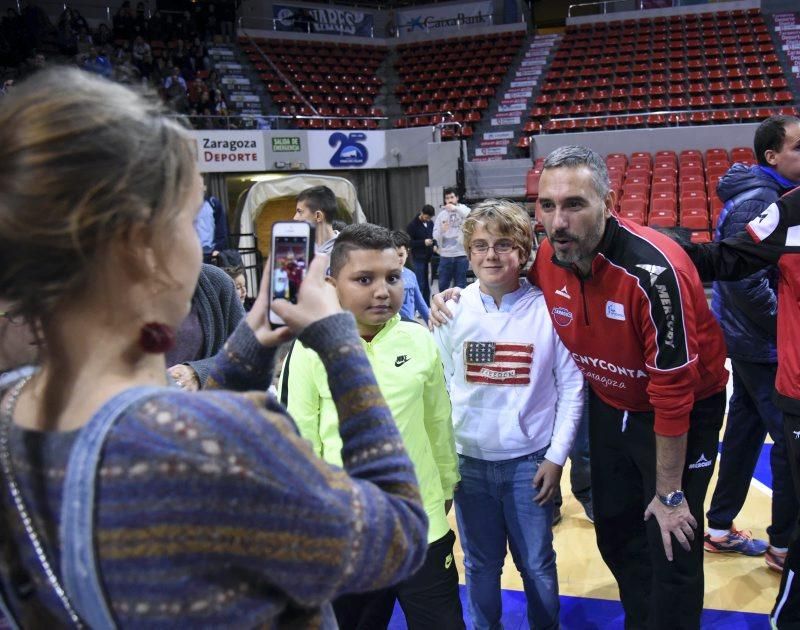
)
(517, 399)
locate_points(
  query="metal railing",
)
(603, 7)
(268, 122)
(667, 114)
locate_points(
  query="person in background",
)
(147, 483)
(420, 230)
(239, 280)
(214, 313)
(772, 239)
(447, 234)
(318, 206)
(365, 270)
(747, 312)
(413, 301)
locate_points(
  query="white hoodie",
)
(513, 386)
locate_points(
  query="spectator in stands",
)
(102, 36)
(123, 21)
(98, 63)
(8, 86)
(421, 232)
(747, 311)
(139, 50)
(447, 234)
(125, 71)
(175, 90)
(140, 21)
(318, 206)
(204, 479)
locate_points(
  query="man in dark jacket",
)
(421, 232)
(747, 312)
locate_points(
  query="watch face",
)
(675, 498)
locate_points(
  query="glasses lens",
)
(503, 247)
(479, 247)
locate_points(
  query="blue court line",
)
(585, 613)
(763, 472)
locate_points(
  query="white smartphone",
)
(291, 251)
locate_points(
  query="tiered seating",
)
(666, 189)
(628, 73)
(339, 79)
(458, 75)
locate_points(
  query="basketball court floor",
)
(739, 593)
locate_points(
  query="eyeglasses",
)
(504, 246)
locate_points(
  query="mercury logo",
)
(702, 462)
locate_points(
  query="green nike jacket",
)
(409, 372)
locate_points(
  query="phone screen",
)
(289, 267)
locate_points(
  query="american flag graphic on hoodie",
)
(498, 363)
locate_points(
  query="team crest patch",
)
(498, 363)
(562, 316)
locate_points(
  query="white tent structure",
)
(288, 186)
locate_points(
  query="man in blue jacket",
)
(747, 312)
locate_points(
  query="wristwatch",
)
(673, 499)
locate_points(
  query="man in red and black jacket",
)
(629, 305)
(772, 238)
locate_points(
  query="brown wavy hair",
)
(504, 218)
(82, 161)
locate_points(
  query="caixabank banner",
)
(440, 19)
(346, 149)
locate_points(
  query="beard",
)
(583, 246)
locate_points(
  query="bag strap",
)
(78, 562)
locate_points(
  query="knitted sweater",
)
(219, 311)
(212, 511)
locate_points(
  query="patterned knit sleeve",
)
(217, 492)
(242, 364)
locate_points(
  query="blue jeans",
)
(751, 414)
(495, 506)
(453, 269)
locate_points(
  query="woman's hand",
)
(316, 300)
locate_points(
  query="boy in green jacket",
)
(368, 278)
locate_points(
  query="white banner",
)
(350, 149)
(511, 107)
(499, 135)
(438, 19)
(226, 151)
(235, 81)
(513, 120)
(228, 66)
(486, 144)
(243, 98)
(479, 152)
(220, 52)
(523, 84)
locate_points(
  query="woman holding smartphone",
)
(129, 503)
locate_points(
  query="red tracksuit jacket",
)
(639, 326)
(773, 237)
